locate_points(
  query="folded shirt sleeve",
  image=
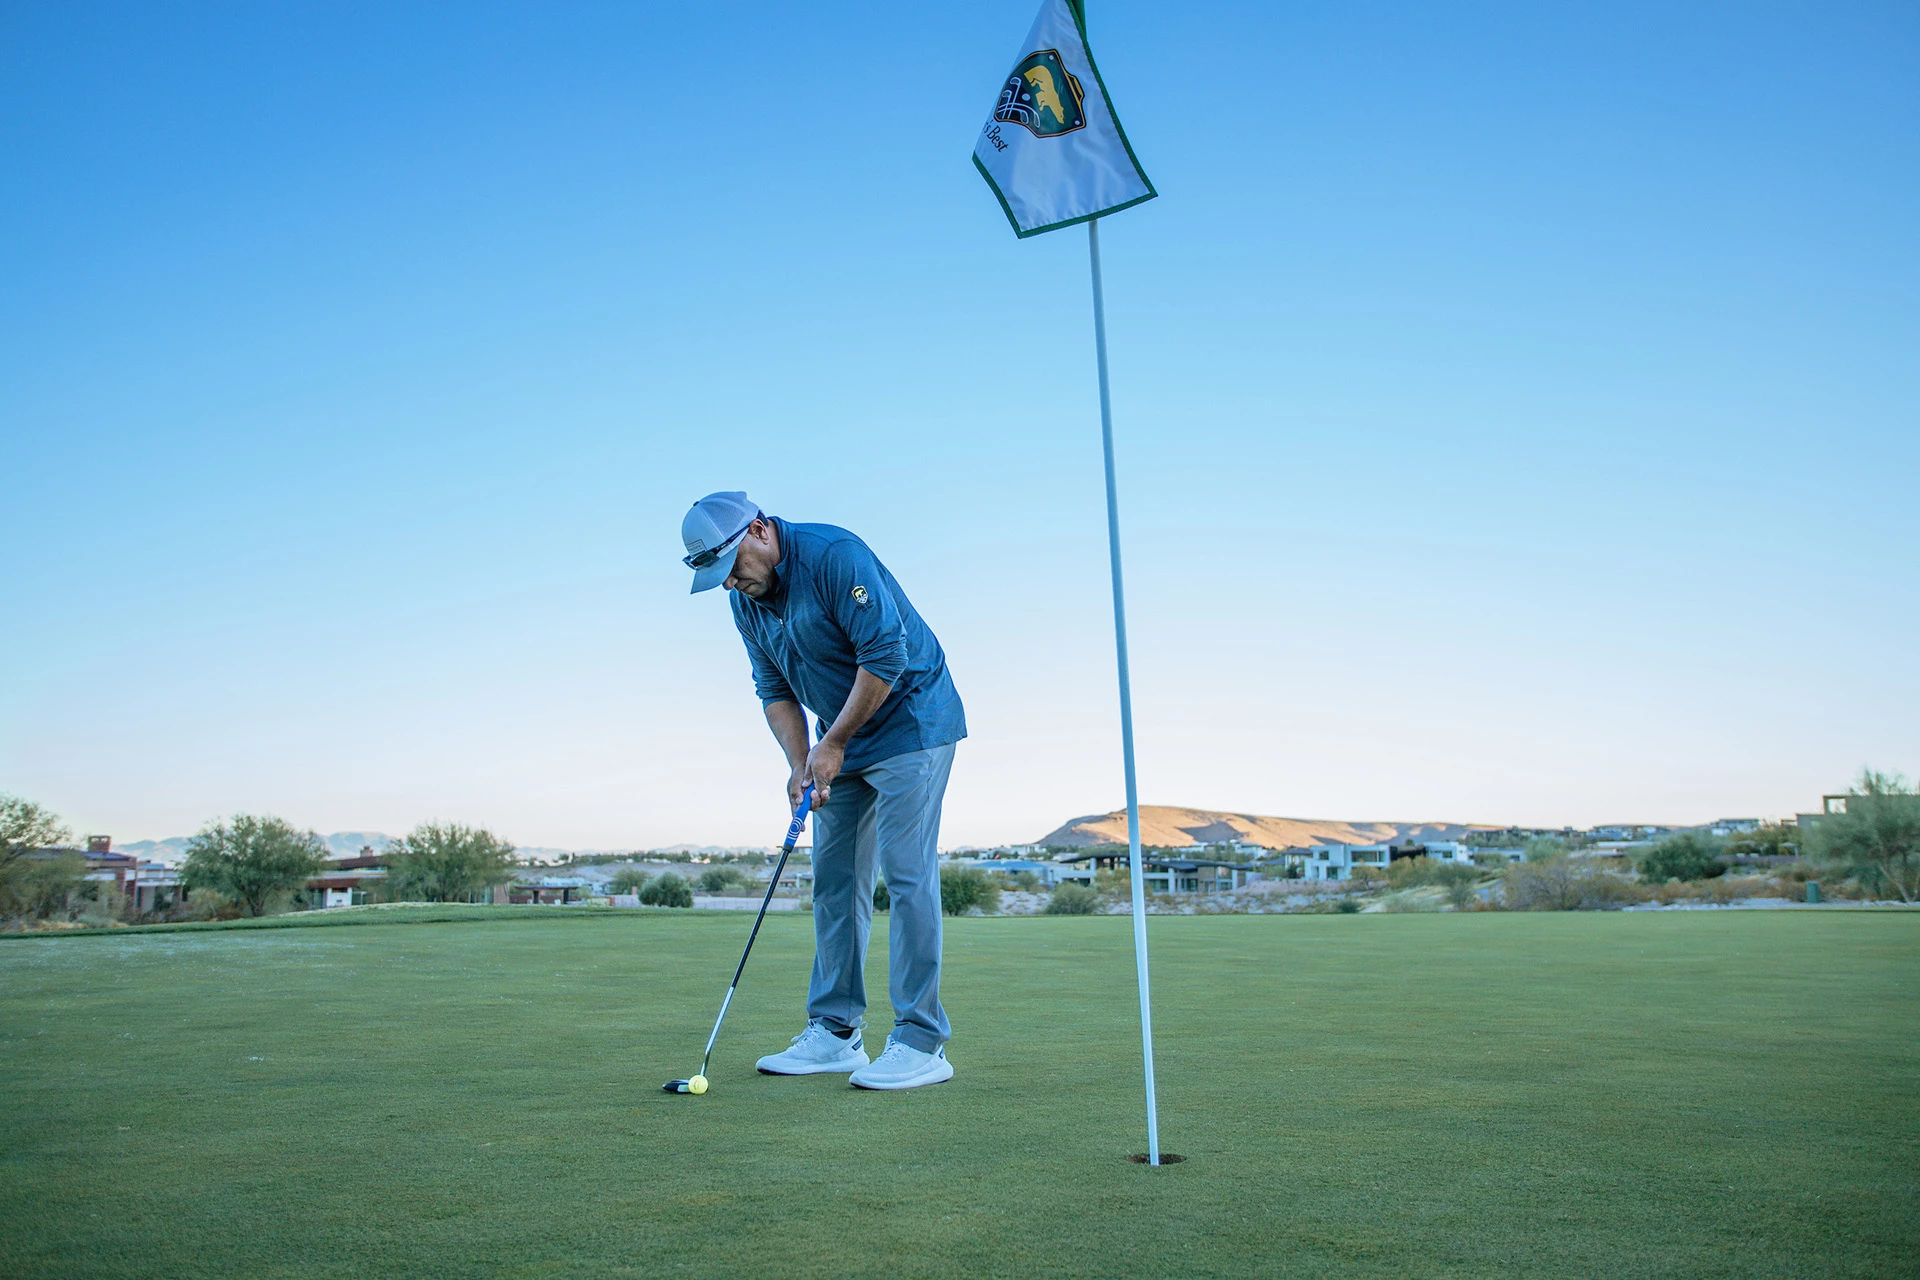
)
(862, 603)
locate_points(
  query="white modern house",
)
(1337, 861)
(1448, 851)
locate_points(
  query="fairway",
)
(1686, 1094)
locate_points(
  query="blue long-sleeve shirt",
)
(833, 609)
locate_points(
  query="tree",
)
(26, 826)
(882, 900)
(251, 858)
(32, 883)
(1687, 856)
(1877, 839)
(447, 862)
(670, 890)
(628, 880)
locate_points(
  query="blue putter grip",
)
(799, 823)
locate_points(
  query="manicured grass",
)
(1484, 1094)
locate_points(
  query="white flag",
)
(1053, 150)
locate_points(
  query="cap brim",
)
(716, 573)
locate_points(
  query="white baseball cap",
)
(712, 531)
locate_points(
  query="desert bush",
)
(44, 888)
(669, 890)
(1687, 856)
(628, 880)
(1877, 840)
(1566, 884)
(1768, 840)
(1408, 900)
(1411, 873)
(1026, 881)
(964, 888)
(1458, 881)
(1347, 906)
(1544, 849)
(1070, 899)
(882, 896)
(1363, 877)
(720, 879)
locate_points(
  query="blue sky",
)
(1516, 406)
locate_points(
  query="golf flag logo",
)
(1053, 150)
(1042, 95)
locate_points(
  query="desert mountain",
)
(1168, 826)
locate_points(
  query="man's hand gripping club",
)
(820, 765)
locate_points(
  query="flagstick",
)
(1126, 698)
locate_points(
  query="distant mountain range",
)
(1168, 826)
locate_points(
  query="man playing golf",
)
(828, 629)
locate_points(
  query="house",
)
(1162, 872)
(1049, 873)
(148, 885)
(349, 882)
(1337, 861)
(547, 890)
(1445, 851)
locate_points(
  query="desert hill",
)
(1169, 826)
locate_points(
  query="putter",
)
(773, 882)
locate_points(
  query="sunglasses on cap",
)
(701, 559)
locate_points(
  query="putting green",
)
(1685, 1094)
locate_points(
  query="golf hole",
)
(1166, 1158)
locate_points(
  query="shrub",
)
(1544, 848)
(1409, 873)
(628, 880)
(1687, 856)
(1347, 906)
(1459, 881)
(41, 888)
(1564, 884)
(1070, 899)
(882, 900)
(670, 890)
(964, 888)
(720, 879)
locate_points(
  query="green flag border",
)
(1078, 9)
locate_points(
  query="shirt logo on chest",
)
(859, 595)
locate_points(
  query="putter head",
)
(675, 1086)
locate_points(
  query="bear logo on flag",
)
(1042, 95)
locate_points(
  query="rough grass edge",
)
(374, 913)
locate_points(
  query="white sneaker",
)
(902, 1066)
(814, 1051)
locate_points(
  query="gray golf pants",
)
(886, 816)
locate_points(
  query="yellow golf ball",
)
(697, 1085)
